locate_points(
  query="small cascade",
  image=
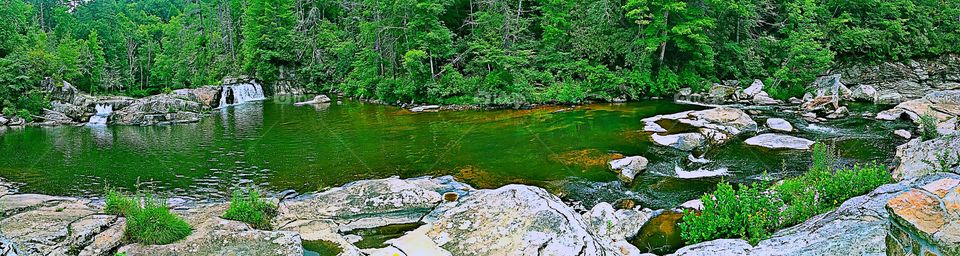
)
(100, 118)
(240, 93)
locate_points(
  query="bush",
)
(149, 222)
(753, 213)
(928, 127)
(250, 209)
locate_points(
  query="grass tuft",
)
(251, 209)
(148, 219)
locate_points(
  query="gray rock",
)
(763, 99)
(695, 204)
(16, 121)
(158, 110)
(903, 133)
(718, 124)
(426, 108)
(779, 141)
(865, 93)
(838, 113)
(754, 89)
(683, 141)
(486, 222)
(40, 231)
(628, 167)
(918, 158)
(912, 79)
(618, 225)
(369, 203)
(4, 120)
(319, 99)
(779, 124)
(944, 106)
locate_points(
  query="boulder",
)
(926, 220)
(319, 99)
(695, 204)
(54, 118)
(683, 141)
(47, 229)
(779, 124)
(370, 203)
(511, 220)
(763, 99)
(754, 89)
(820, 103)
(207, 96)
(943, 106)
(619, 225)
(838, 113)
(4, 120)
(427, 108)
(628, 167)
(159, 109)
(865, 93)
(918, 158)
(857, 227)
(721, 93)
(779, 141)
(903, 133)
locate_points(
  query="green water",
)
(278, 146)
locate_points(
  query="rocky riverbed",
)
(916, 214)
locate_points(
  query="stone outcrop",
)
(892, 82)
(926, 220)
(629, 167)
(213, 235)
(717, 124)
(319, 99)
(918, 158)
(857, 227)
(779, 141)
(944, 106)
(47, 225)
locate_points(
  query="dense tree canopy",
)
(457, 51)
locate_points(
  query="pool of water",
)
(278, 146)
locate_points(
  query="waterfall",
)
(100, 118)
(240, 93)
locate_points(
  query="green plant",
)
(945, 161)
(149, 222)
(250, 209)
(118, 204)
(928, 127)
(754, 212)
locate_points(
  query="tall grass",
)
(148, 219)
(755, 212)
(251, 209)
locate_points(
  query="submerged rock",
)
(628, 167)
(779, 141)
(926, 219)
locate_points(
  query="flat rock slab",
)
(918, 158)
(40, 231)
(926, 219)
(683, 141)
(779, 124)
(779, 141)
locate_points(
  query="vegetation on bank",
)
(456, 51)
(754, 212)
(149, 221)
(250, 208)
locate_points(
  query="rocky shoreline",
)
(452, 218)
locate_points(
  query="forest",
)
(479, 52)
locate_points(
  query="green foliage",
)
(148, 219)
(498, 52)
(250, 209)
(755, 212)
(928, 127)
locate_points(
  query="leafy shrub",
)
(928, 127)
(149, 222)
(250, 209)
(753, 213)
